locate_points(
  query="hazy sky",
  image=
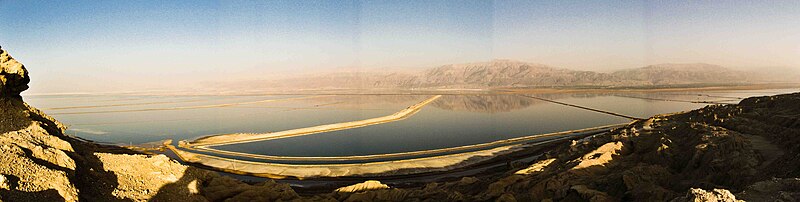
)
(122, 45)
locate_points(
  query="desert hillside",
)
(507, 73)
(669, 74)
(516, 74)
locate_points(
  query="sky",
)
(100, 46)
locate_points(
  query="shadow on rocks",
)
(12, 194)
(93, 182)
(12, 117)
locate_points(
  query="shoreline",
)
(414, 154)
(391, 168)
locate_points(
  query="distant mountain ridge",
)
(666, 74)
(509, 73)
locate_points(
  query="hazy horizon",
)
(90, 46)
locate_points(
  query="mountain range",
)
(515, 74)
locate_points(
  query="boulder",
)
(13, 76)
(701, 195)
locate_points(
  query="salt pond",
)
(452, 120)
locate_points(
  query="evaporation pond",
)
(143, 119)
(452, 120)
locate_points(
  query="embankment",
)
(465, 148)
(217, 140)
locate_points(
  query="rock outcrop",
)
(364, 186)
(13, 76)
(35, 164)
(700, 195)
(40, 163)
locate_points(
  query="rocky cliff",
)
(40, 163)
(13, 75)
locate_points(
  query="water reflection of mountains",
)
(469, 103)
(499, 103)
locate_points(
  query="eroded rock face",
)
(35, 165)
(229, 189)
(40, 163)
(144, 177)
(13, 76)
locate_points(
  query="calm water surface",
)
(452, 120)
(160, 121)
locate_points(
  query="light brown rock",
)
(4, 183)
(536, 167)
(600, 156)
(367, 185)
(145, 178)
(35, 164)
(701, 195)
(13, 76)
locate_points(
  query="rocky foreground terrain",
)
(748, 151)
(40, 163)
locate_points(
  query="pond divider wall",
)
(435, 160)
(464, 148)
(413, 166)
(582, 107)
(249, 137)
